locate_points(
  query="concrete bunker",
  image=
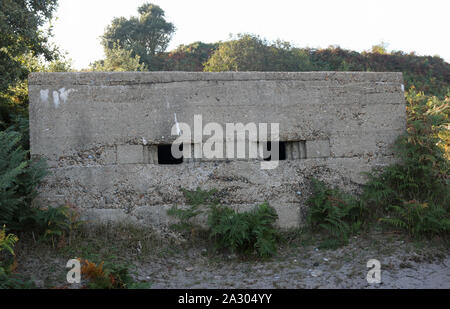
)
(106, 137)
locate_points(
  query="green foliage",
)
(200, 197)
(410, 195)
(246, 232)
(18, 180)
(14, 100)
(24, 49)
(9, 280)
(19, 177)
(426, 73)
(188, 57)
(56, 223)
(20, 125)
(14, 281)
(7, 241)
(194, 199)
(380, 48)
(419, 219)
(119, 60)
(145, 35)
(413, 194)
(338, 214)
(251, 53)
(20, 34)
(422, 173)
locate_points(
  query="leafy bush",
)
(14, 281)
(423, 171)
(419, 218)
(427, 73)
(57, 223)
(9, 280)
(246, 232)
(118, 60)
(338, 214)
(14, 100)
(187, 57)
(248, 52)
(251, 53)
(195, 199)
(413, 194)
(7, 241)
(19, 177)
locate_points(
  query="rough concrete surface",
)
(99, 133)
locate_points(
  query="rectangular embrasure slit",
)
(292, 150)
(165, 156)
(295, 150)
(268, 147)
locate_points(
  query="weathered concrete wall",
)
(98, 132)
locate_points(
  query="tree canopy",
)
(21, 33)
(145, 35)
(119, 60)
(189, 57)
(251, 53)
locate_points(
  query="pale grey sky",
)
(407, 25)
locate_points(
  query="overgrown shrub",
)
(427, 73)
(14, 281)
(334, 212)
(419, 219)
(247, 52)
(245, 232)
(7, 243)
(413, 194)
(242, 232)
(19, 177)
(57, 223)
(195, 199)
(9, 280)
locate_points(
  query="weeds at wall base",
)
(411, 196)
(246, 233)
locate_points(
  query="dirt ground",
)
(166, 262)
